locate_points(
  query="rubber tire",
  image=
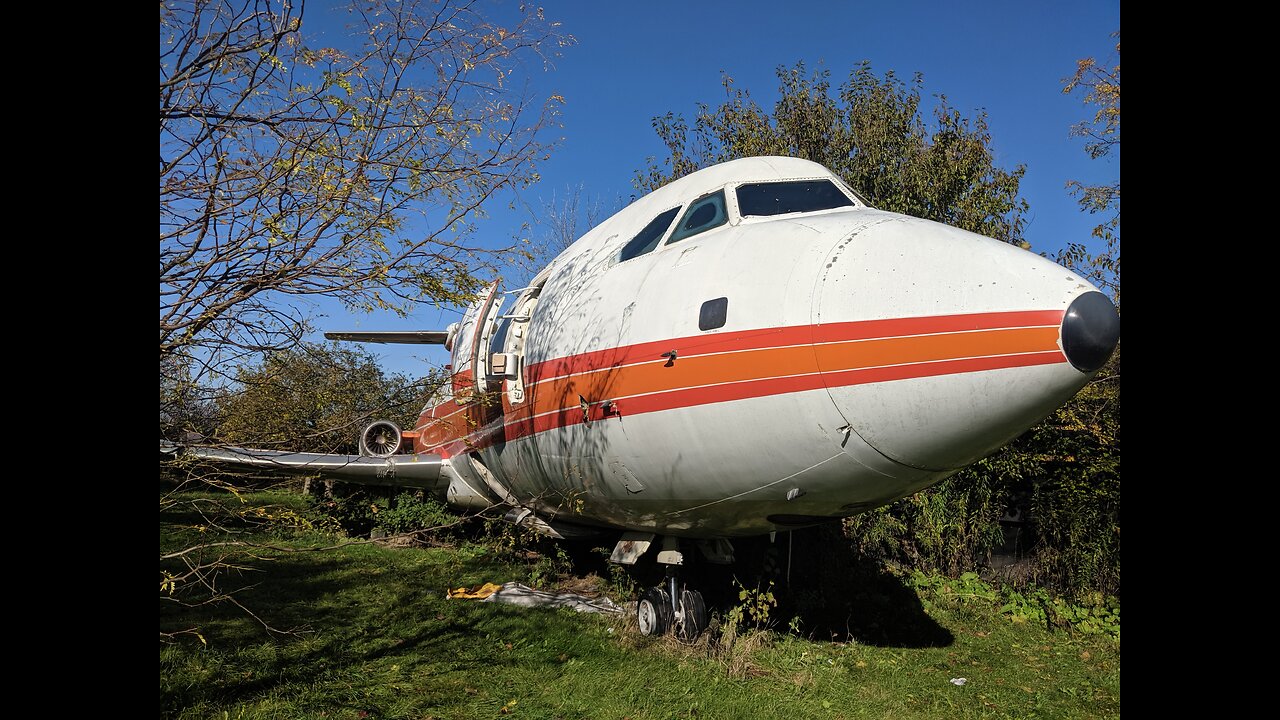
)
(653, 612)
(694, 615)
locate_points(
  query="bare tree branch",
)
(352, 171)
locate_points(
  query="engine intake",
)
(381, 439)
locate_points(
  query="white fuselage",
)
(825, 363)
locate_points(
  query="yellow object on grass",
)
(481, 592)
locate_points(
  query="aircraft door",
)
(470, 360)
(507, 344)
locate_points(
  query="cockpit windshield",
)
(703, 214)
(779, 198)
(648, 238)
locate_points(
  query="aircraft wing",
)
(421, 471)
(411, 337)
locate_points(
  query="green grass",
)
(374, 637)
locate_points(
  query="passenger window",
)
(648, 238)
(705, 213)
(780, 198)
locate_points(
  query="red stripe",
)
(691, 397)
(783, 336)
(486, 436)
(867, 329)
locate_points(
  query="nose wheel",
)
(692, 615)
(653, 612)
(666, 607)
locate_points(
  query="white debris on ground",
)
(958, 681)
(514, 593)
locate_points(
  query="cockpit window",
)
(778, 198)
(705, 213)
(648, 238)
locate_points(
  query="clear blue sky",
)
(633, 61)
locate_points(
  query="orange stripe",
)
(897, 351)
(657, 376)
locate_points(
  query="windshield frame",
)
(851, 199)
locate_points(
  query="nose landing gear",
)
(672, 606)
(661, 609)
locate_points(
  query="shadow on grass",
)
(832, 593)
(836, 594)
(352, 612)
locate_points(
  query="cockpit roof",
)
(628, 221)
(752, 169)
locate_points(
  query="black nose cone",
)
(1090, 331)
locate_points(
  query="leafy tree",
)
(872, 132)
(317, 398)
(1075, 506)
(184, 406)
(352, 170)
(1101, 87)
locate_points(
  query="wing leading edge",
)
(420, 471)
(410, 337)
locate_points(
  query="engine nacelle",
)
(381, 439)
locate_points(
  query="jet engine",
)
(381, 439)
